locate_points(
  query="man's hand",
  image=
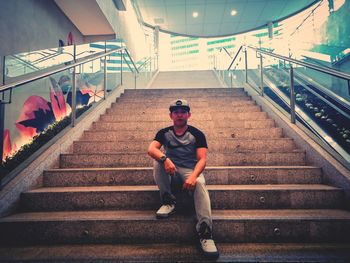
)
(169, 167)
(190, 183)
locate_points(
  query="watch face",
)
(163, 158)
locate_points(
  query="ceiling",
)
(87, 16)
(214, 16)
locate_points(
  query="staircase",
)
(268, 204)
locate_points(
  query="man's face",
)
(180, 117)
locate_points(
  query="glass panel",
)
(147, 69)
(38, 111)
(324, 113)
(253, 69)
(328, 83)
(29, 62)
(86, 50)
(113, 71)
(90, 85)
(128, 72)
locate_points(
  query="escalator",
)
(320, 110)
(321, 95)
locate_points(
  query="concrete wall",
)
(127, 27)
(27, 25)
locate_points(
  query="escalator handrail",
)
(322, 69)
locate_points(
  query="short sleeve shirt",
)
(182, 149)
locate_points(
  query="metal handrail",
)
(323, 69)
(233, 60)
(228, 53)
(127, 52)
(144, 63)
(72, 65)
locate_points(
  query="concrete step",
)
(203, 125)
(93, 227)
(213, 175)
(191, 93)
(190, 98)
(295, 157)
(199, 117)
(195, 111)
(184, 92)
(194, 102)
(181, 84)
(212, 134)
(136, 197)
(214, 126)
(164, 106)
(174, 252)
(217, 145)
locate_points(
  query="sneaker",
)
(165, 211)
(206, 242)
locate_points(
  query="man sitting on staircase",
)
(184, 161)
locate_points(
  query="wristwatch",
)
(163, 158)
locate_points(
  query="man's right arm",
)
(155, 152)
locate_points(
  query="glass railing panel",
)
(86, 50)
(38, 111)
(276, 82)
(29, 62)
(89, 85)
(328, 83)
(129, 72)
(147, 70)
(253, 69)
(144, 75)
(325, 109)
(113, 71)
(325, 114)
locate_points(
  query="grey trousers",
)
(200, 195)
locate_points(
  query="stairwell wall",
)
(33, 25)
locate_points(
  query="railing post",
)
(121, 67)
(105, 73)
(231, 79)
(74, 89)
(292, 96)
(135, 79)
(246, 64)
(74, 98)
(2, 128)
(261, 76)
(105, 78)
(3, 69)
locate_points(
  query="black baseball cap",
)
(179, 104)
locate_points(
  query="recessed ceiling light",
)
(233, 12)
(195, 14)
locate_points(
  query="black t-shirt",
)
(182, 149)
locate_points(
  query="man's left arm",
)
(190, 182)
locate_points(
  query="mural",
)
(37, 112)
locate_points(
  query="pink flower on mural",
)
(36, 115)
(58, 102)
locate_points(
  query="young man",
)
(184, 160)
